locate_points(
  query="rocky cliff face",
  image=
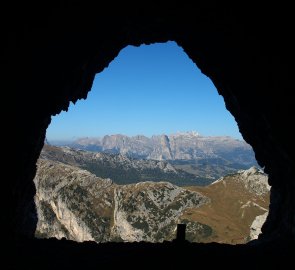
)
(150, 211)
(179, 146)
(75, 204)
(64, 202)
(256, 226)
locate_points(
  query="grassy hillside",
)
(230, 213)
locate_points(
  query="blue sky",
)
(151, 89)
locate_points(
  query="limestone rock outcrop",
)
(256, 226)
(77, 205)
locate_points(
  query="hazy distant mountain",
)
(179, 146)
(75, 204)
(206, 157)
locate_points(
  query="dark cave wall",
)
(53, 55)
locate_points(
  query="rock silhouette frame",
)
(52, 53)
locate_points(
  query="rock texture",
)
(77, 205)
(255, 229)
(150, 212)
(255, 181)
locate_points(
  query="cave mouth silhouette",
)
(138, 88)
(248, 52)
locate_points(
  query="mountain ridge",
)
(181, 145)
(122, 169)
(78, 205)
(75, 204)
(207, 157)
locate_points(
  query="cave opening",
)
(52, 53)
(88, 183)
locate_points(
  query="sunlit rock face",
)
(255, 229)
(65, 203)
(77, 205)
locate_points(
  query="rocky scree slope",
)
(75, 204)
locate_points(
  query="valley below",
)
(102, 197)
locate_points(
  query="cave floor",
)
(64, 254)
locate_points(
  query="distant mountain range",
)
(179, 146)
(76, 204)
(205, 157)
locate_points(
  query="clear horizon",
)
(147, 90)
